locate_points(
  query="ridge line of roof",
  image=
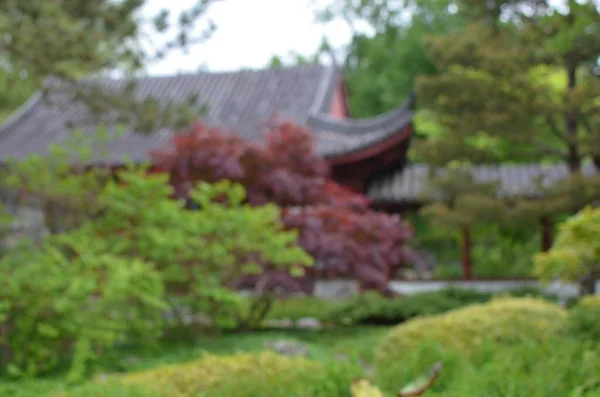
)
(22, 111)
(207, 72)
(324, 88)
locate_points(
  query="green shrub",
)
(503, 320)
(372, 308)
(447, 271)
(502, 254)
(560, 366)
(54, 304)
(239, 375)
(575, 255)
(106, 279)
(298, 307)
(368, 308)
(585, 318)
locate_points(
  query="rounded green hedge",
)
(501, 321)
(585, 318)
(238, 375)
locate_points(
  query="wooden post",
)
(546, 233)
(466, 253)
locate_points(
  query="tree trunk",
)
(573, 156)
(587, 285)
(546, 233)
(466, 253)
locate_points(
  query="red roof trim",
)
(345, 97)
(374, 150)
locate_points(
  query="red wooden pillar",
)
(546, 233)
(466, 253)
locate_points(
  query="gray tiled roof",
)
(408, 185)
(237, 101)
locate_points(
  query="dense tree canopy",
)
(516, 84)
(527, 83)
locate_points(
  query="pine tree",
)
(457, 201)
(518, 82)
(71, 39)
(520, 74)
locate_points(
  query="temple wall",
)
(337, 289)
(28, 220)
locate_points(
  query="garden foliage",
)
(56, 302)
(584, 318)
(56, 43)
(335, 225)
(111, 278)
(575, 255)
(372, 308)
(480, 345)
(503, 320)
(242, 374)
(521, 370)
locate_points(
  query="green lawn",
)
(355, 344)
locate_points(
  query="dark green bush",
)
(302, 306)
(372, 308)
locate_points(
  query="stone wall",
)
(28, 220)
(337, 289)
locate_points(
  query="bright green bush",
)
(504, 321)
(575, 255)
(55, 303)
(104, 281)
(199, 252)
(239, 375)
(585, 318)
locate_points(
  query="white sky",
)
(249, 33)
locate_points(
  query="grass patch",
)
(351, 344)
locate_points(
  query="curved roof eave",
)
(22, 111)
(338, 138)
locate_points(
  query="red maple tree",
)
(336, 226)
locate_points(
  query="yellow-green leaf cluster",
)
(503, 321)
(576, 251)
(238, 375)
(107, 278)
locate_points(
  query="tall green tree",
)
(521, 73)
(71, 39)
(518, 83)
(383, 60)
(460, 203)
